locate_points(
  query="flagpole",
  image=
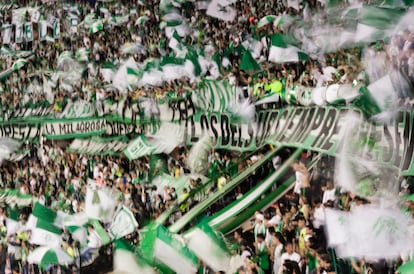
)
(334, 260)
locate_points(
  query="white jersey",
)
(298, 182)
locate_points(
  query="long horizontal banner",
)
(314, 128)
(68, 128)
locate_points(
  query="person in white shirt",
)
(302, 180)
(328, 192)
(288, 255)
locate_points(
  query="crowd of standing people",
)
(286, 238)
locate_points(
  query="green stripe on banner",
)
(158, 248)
(202, 206)
(236, 221)
(173, 253)
(209, 247)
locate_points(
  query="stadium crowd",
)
(287, 238)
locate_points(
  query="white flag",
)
(220, 9)
(124, 223)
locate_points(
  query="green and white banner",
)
(98, 146)
(314, 128)
(126, 260)
(214, 96)
(161, 247)
(14, 197)
(211, 248)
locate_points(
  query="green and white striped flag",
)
(78, 233)
(214, 95)
(45, 233)
(42, 212)
(123, 223)
(281, 52)
(127, 260)
(100, 231)
(210, 248)
(76, 225)
(96, 26)
(375, 22)
(12, 222)
(14, 197)
(159, 246)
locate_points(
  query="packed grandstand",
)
(217, 136)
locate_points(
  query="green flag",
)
(159, 246)
(127, 260)
(248, 63)
(282, 52)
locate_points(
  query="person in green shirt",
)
(262, 253)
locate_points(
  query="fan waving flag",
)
(45, 233)
(46, 256)
(210, 248)
(127, 261)
(159, 246)
(281, 52)
(248, 63)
